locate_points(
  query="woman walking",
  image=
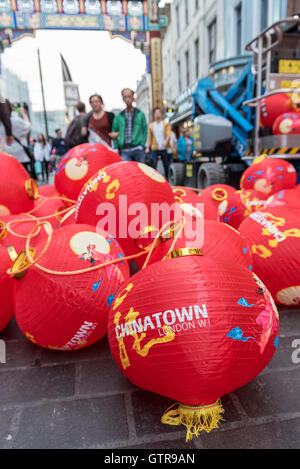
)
(42, 153)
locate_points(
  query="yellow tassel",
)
(195, 419)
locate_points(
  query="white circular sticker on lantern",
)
(76, 170)
(152, 173)
(82, 242)
(262, 186)
(285, 126)
(289, 296)
(4, 210)
(222, 207)
(189, 209)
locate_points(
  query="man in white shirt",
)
(159, 140)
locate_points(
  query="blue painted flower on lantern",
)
(244, 302)
(276, 342)
(238, 334)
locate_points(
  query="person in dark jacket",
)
(5, 120)
(98, 123)
(58, 148)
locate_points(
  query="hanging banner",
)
(156, 72)
(106, 15)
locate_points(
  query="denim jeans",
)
(133, 155)
(166, 158)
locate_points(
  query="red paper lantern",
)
(274, 106)
(269, 175)
(17, 190)
(68, 218)
(187, 198)
(289, 199)
(48, 206)
(69, 312)
(125, 199)
(6, 289)
(217, 195)
(20, 228)
(193, 329)
(274, 238)
(288, 123)
(79, 165)
(48, 191)
(217, 240)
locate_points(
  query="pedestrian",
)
(185, 146)
(42, 154)
(5, 124)
(130, 130)
(159, 135)
(20, 128)
(74, 135)
(98, 123)
(172, 150)
(58, 148)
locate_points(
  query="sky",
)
(96, 62)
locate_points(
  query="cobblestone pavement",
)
(80, 399)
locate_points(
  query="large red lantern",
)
(47, 190)
(187, 199)
(274, 106)
(15, 234)
(274, 238)
(79, 165)
(269, 175)
(6, 289)
(17, 190)
(289, 199)
(217, 240)
(130, 200)
(68, 312)
(193, 329)
(288, 123)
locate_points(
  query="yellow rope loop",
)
(220, 194)
(19, 220)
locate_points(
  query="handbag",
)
(38, 168)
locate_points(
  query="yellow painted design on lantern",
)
(261, 251)
(112, 189)
(293, 233)
(122, 349)
(121, 297)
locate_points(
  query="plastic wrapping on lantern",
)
(274, 239)
(129, 199)
(269, 175)
(79, 165)
(69, 311)
(17, 190)
(6, 288)
(193, 329)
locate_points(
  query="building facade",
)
(208, 38)
(144, 97)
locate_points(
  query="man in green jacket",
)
(130, 130)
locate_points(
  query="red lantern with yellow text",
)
(130, 200)
(274, 238)
(79, 165)
(57, 306)
(269, 175)
(6, 289)
(193, 329)
(17, 190)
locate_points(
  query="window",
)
(187, 67)
(186, 12)
(197, 58)
(238, 28)
(264, 8)
(179, 75)
(178, 21)
(212, 41)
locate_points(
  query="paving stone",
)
(5, 422)
(12, 332)
(271, 394)
(102, 376)
(34, 384)
(289, 321)
(97, 351)
(278, 435)
(76, 424)
(283, 356)
(149, 408)
(19, 353)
